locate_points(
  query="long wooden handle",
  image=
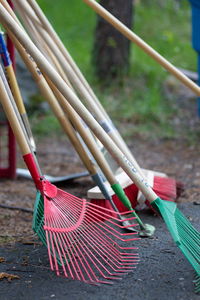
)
(12, 118)
(85, 134)
(80, 88)
(46, 67)
(46, 24)
(49, 96)
(72, 115)
(47, 93)
(143, 45)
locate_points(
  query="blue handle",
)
(198, 69)
(4, 52)
(196, 26)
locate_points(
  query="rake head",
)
(38, 218)
(184, 234)
(197, 284)
(85, 241)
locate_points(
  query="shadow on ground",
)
(163, 272)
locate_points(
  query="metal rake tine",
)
(90, 258)
(105, 225)
(101, 250)
(111, 247)
(71, 257)
(82, 234)
(117, 234)
(96, 212)
(103, 243)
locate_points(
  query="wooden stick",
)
(143, 45)
(47, 26)
(82, 91)
(12, 118)
(46, 67)
(73, 116)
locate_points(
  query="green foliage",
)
(44, 123)
(139, 98)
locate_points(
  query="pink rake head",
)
(84, 240)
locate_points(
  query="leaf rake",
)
(83, 240)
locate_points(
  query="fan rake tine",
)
(72, 258)
(80, 255)
(197, 284)
(109, 216)
(81, 252)
(119, 226)
(104, 215)
(114, 250)
(71, 255)
(100, 251)
(104, 245)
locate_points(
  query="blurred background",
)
(141, 97)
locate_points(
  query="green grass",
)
(139, 98)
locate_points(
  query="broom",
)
(187, 238)
(165, 187)
(81, 238)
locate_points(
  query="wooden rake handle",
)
(12, 118)
(46, 67)
(143, 45)
(66, 125)
(75, 79)
(48, 27)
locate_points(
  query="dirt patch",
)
(56, 157)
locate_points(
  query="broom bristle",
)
(84, 240)
(165, 188)
(184, 234)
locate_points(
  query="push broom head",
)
(184, 234)
(85, 242)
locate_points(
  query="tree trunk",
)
(111, 49)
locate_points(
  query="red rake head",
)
(84, 240)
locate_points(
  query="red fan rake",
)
(84, 240)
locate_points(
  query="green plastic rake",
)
(38, 218)
(197, 283)
(185, 235)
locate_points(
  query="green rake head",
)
(38, 221)
(38, 218)
(184, 234)
(197, 284)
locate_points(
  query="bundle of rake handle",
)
(83, 240)
(185, 235)
(145, 229)
(48, 42)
